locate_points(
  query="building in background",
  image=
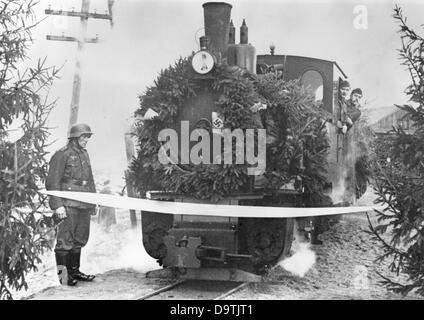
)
(383, 119)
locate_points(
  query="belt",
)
(76, 182)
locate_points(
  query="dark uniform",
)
(353, 112)
(70, 170)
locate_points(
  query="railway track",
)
(195, 290)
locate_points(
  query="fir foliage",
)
(399, 173)
(23, 228)
(297, 143)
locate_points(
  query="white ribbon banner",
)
(202, 209)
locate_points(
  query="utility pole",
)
(84, 15)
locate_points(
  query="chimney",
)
(217, 26)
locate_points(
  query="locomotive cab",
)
(322, 77)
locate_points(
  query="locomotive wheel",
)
(267, 240)
(155, 226)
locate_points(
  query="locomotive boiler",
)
(235, 248)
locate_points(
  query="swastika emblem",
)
(218, 123)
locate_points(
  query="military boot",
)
(75, 256)
(64, 271)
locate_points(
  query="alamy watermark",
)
(361, 280)
(360, 22)
(218, 151)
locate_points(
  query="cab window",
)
(313, 81)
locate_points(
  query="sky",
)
(148, 36)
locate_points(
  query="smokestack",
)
(217, 24)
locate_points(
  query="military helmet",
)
(79, 129)
(357, 90)
(344, 83)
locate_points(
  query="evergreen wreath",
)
(291, 117)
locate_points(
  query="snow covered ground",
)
(343, 267)
(119, 248)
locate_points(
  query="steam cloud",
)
(121, 248)
(302, 260)
(133, 255)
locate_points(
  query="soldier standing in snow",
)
(70, 170)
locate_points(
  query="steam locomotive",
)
(232, 248)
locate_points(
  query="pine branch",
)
(385, 244)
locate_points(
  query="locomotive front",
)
(205, 107)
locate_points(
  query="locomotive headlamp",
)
(203, 62)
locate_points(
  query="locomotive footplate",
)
(188, 253)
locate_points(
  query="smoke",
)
(302, 260)
(132, 255)
(120, 247)
(338, 192)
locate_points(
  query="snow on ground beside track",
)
(345, 267)
(119, 248)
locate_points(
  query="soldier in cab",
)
(348, 112)
(354, 104)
